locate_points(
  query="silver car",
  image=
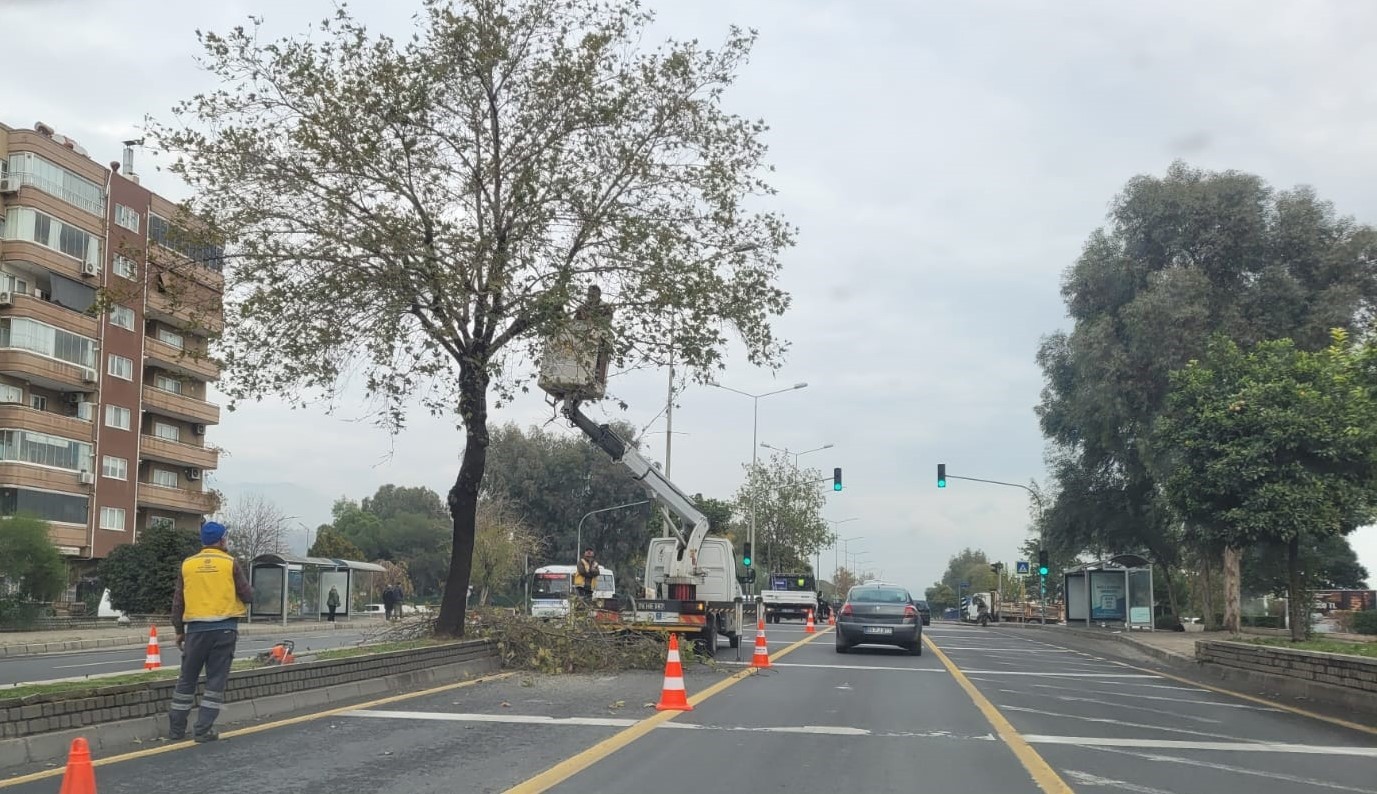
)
(879, 614)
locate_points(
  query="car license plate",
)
(878, 630)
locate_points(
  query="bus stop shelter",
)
(296, 588)
(1113, 591)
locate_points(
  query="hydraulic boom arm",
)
(664, 491)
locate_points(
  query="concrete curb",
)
(110, 738)
(140, 637)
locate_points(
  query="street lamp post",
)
(578, 543)
(1042, 528)
(755, 436)
(796, 456)
(835, 540)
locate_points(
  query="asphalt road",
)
(876, 720)
(48, 666)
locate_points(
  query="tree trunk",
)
(1171, 593)
(1207, 592)
(1296, 603)
(463, 498)
(1232, 587)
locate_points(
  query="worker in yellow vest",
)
(207, 603)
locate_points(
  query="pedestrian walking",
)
(208, 600)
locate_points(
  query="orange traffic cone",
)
(809, 627)
(80, 777)
(672, 696)
(761, 658)
(832, 617)
(154, 659)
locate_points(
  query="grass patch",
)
(382, 647)
(1368, 649)
(89, 685)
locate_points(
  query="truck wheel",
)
(735, 640)
(707, 640)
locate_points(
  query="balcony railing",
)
(180, 406)
(179, 499)
(171, 357)
(175, 452)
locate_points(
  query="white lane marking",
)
(1111, 691)
(1059, 675)
(1173, 714)
(1108, 720)
(1174, 744)
(1087, 779)
(1005, 650)
(849, 667)
(1239, 770)
(1194, 701)
(617, 722)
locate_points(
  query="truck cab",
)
(790, 595)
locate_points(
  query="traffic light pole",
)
(1041, 509)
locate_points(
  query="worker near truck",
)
(586, 574)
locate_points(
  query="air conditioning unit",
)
(89, 269)
(10, 184)
(88, 375)
(73, 397)
(6, 299)
(88, 478)
(86, 411)
(193, 474)
(198, 429)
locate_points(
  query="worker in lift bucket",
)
(586, 574)
(593, 310)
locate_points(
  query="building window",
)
(116, 417)
(30, 225)
(12, 283)
(38, 402)
(127, 217)
(124, 267)
(47, 340)
(112, 518)
(53, 179)
(171, 337)
(167, 432)
(120, 367)
(27, 446)
(168, 384)
(114, 468)
(11, 394)
(165, 478)
(49, 506)
(171, 237)
(123, 317)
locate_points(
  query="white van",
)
(553, 585)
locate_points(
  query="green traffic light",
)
(1042, 571)
(941, 475)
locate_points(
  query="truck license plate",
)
(878, 630)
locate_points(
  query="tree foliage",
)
(1184, 256)
(1329, 562)
(787, 502)
(28, 559)
(970, 566)
(400, 524)
(142, 575)
(424, 211)
(499, 553)
(332, 543)
(1272, 445)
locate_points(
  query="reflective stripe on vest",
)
(208, 587)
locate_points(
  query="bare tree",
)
(256, 526)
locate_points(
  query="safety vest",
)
(208, 587)
(582, 579)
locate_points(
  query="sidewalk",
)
(24, 643)
(1169, 646)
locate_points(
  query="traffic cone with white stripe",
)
(154, 659)
(832, 616)
(761, 657)
(809, 627)
(672, 696)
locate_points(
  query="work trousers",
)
(214, 651)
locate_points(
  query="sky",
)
(944, 164)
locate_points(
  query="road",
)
(1023, 711)
(48, 666)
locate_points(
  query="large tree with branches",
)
(425, 212)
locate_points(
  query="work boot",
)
(209, 736)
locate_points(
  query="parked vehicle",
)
(879, 614)
(552, 586)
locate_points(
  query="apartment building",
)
(106, 306)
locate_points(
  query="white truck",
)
(790, 595)
(690, 583)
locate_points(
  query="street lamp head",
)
(800, 385)
(827, 446)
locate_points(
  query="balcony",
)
(22, 417)
(186, 312)
(43, 478)
(178, 454)
(35, 308)
(180, 406)
(178, 499)
(49, 373)
(56, 261)
(161, 354)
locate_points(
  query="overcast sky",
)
(944, 162)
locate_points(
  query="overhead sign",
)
(1021, 566)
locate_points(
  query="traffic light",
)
(1042, 562)
(941, 475)
(997, 567)
(746, 554)
(836, 479)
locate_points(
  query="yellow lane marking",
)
(267, 726)
(1042, 773)
(577, 763)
